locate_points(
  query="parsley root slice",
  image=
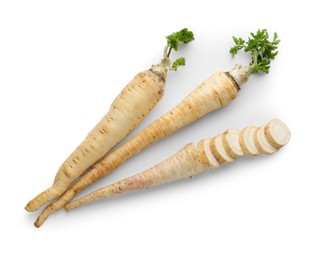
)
(215, 92)
(129, 108)
(190, 161)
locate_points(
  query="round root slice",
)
(277, 133)
(212, 162)
(202, 154)
(219, 151)
(230, 141)
(262, 143)
(247, 141)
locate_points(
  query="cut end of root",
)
(262, 143)
(277, 133)
(247, 141)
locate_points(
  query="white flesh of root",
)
(209, 155)
(247, 141)
(219, 150)
(262, 143)
(230, 141)
(277, 133)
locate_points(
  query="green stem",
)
(169, 52)
(254, 63)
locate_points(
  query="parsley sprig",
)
(261, 48)
(178, 62)
(173, 42)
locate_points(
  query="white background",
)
(61, 65)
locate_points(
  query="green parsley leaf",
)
(261, 49)
(176, 38)
(179, 62)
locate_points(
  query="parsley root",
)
(190, 161)
(215, 92)
(129, 108)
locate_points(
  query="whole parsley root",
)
(190, 161)
(215, 92)
(128, 109)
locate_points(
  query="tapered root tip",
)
(44, 197)
(44, 215)
(36, 225)
(40, 220)
(31, 206)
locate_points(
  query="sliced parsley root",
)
(190, 161)
(128, 109)
(217, 91)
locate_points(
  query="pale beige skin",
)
(215, 92)
(129, 108)
(190, 161)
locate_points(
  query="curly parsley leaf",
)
(261, 48)
(176, 38)
(179, 62)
